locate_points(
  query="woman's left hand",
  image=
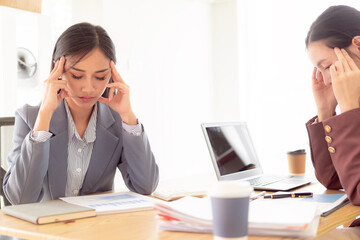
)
(345, 76)
(120, 102)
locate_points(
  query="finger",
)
(60, 68)
(333, 72)
(349, 59)
(120, 87)
(313, 77)
(55, 74)
(63, 94)
(115, 74)
(343, 65)
(117, 84)
(58, 85)
(319, 76)
(338, 67)
(316, 76)
(111, 93)
(55, 67)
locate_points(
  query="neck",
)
(80, 115)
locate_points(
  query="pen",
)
(289, 195)
(257, 195)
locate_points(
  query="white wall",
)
(164, 54)
(8, 77)
(225, 60)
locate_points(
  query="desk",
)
(143, 225)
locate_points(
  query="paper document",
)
(113, 202)
(266, 217)
(326, 202)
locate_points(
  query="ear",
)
(356, 43)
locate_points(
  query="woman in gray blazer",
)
(83, 129)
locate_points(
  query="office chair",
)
(2, 175)
(4, 121)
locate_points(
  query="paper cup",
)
(230, 209)
(297, 162)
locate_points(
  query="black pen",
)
(289, 195)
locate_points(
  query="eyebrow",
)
(80, 70)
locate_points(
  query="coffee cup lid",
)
(297, 152)
(231, 189)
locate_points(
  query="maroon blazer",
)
(335, 153)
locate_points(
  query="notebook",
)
(48, 211)
(234, 158)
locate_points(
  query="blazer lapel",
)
(57, 171)
(103, 150)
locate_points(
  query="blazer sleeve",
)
(138, 167)
(344, 130)
(325, 171)
(27, 162)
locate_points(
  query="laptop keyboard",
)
(266, 179)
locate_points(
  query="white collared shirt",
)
(79, 152)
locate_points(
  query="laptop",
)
(234, 158)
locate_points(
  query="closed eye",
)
(100, 78)
(76, 77)
(328, 67)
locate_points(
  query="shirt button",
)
(76, 192)
(78, 170)
(137, 134)
(328, 139)
(327, 128)
(79, 150)
(331, 150)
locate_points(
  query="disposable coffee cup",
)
(230, 209)
(297, 162)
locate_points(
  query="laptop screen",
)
(231, 148)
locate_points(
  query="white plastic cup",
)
(230, 209)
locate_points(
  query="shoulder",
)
(28, 113)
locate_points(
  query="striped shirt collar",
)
(90, 132)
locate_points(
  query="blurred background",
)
(187, 62)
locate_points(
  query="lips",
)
(86, 99)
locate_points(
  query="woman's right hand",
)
(55, 89)
(324, 96)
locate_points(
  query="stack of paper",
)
(266, 217)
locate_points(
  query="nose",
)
(327, 79)
(88, 86)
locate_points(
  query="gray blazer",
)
(38, 171)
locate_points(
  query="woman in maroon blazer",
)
(333, 44)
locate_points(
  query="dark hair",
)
(80, 39)
(337, 26)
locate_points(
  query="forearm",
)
(43, 121)
(28, 164)
(345, 134)
(324, 168)
(138, 167)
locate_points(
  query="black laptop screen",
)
(231, 147)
